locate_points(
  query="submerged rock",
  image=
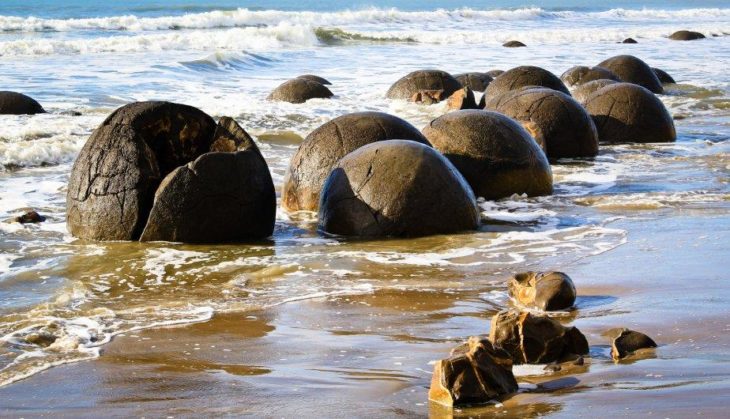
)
(312, 77)
(513, 44)
(579, 75)
(555, 120)
(435, 84)
(300, 90)
(13, 103)
(494, 153)
(584, 91)
(30, 217)
(114, 179)
(475, 373)
(625, 112)
(532, 339)
(475, 81)
(547, 291)
(326, 145)
(629, 41)
(396, 188)
(462, 99)
(686, 36)
(628, 342)
(519, 77)
(633, 70)
(663, 76)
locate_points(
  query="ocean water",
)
(226, 56)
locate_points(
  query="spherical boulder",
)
(318, 79)
(555, 120)
(396, 188)
(523, 76)
(475, 81)
(686, 36)
(220, 197)
(625, 112)
(494, 73)
(115, 176)
(582, 92)
(629, 341)
(300, 90)
(513, 44)
(326, 145)
(13, 103)
(663, 76)
(494, 153)
(439, 84)
(578, 75)
(548, 291)
(633, 70)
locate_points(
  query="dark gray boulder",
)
(633, 70)
(663, 76)
(513, 44)
(629, 341)
(13, 103)
(300, 90)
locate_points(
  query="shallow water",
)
(642, 229)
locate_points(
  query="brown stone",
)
(494, 153)
(30, 217)
(578, 75)
(396, 188)
(13, 103)
(462, 99)
(686, 36)
(513, 44)
(633, 70)
(628, 342)
(427, 97)
(547, 291)
(532, 339)
(326, 145)
(555, 120)
(421, 81)
(582, 92)
(300, 90)
(663, 76)
(318, 79)
(229, 137)
(474, 81)
(475, 373)
(625, 112)
(519, 77)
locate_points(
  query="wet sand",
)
(369, 355)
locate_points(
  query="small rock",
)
(41, 338)
(629, 341)
(513, 44)
(547, 291)
(629, 41)
(686, 36)
(462, 99)
(532, 339)
(70, 113)
(476, 372)
(30, 217)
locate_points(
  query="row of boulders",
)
(480, 370)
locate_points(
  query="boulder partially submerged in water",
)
(548, 291)
(625, 112)
(520, 77)
(494, 153)
(326, 145)
(462, 99)
(30, 217)
(300, 90)
(419, 85)
(557, 122)
(628, 341)
(14, 103)
(663, 76)
(533, 339)
(476, 372)
(584, 91)
(629, 41)
(396, 188)
(633, 70)
(686, 36)
(576, 76)
(494, 73)
(475, 81)
(318, 79)
(513, 44)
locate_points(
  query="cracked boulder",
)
(13, 103)
(582, 92)
(219, 198)
(686, 36)
(555, 120)
(326, 145)
(625, 112)
(633, 70)
(396, 188)
(548, 291)
(476, 372)
(519, 77)
(475, 81)
(532, 339)
(663, 76)
(114, 179)
(437, 85)
(578, 75)
(628, 341)
(493, 152)
(300, 90)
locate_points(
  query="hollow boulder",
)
(548, 291)
(633, 70)
(326, 145)
(625, 112)
(494, 153)
(13, 103)
(300, 90)
(440, 84)
(396, 188)
(578, 75)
